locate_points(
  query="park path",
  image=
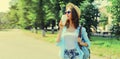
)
(14, 44)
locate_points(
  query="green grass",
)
(48, 36)
(107, 47)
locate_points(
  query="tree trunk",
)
(43, 33)
(52, 30)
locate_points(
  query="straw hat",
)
(71, 5)
(78, 11)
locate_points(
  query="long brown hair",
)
(75, 18)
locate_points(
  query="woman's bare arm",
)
(60, 24)
(59, 35)
(82, 43)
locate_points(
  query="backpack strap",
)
(79, 35)
(80, 31)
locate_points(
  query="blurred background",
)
(101, 18)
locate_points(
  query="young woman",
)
(68, 35)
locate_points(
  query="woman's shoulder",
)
(81, 27)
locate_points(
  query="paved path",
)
(14, 44)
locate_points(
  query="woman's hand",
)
(60, 24)
(82, 43)
(79, 40)
(63, 21)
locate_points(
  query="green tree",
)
(12, 15)
(38, 13)
(115, 10)
(3, 21)
(26, 13)
(23, 11)
(103, 20)
(89, 15)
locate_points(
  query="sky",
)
(4, 5)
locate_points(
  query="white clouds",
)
(4, 5)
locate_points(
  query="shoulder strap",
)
(80, 30)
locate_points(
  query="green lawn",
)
(107, 47)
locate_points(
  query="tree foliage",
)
(103, 20)
(89, 14)
(115, 10)
(40, 13)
